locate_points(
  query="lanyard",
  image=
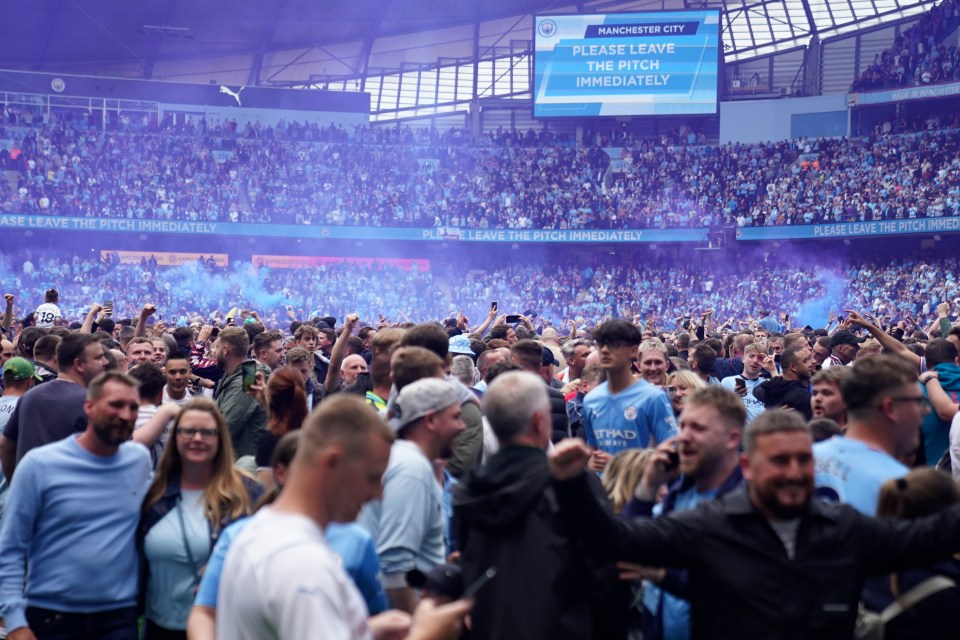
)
(186, 543)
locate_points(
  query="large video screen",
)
(626, 64)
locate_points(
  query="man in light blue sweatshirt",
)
(71, 516)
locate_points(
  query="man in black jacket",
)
(532, 356)
(767, 561)
(546, 586)
(791, 391)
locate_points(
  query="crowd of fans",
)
(563, 447)
(358, 471)
(556, 291)
(396, 177)
(918, 56)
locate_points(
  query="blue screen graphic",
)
(626, 64)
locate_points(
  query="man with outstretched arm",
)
(803, 581)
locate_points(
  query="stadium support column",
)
(812, 63)
(476, 125)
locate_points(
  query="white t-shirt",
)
(187, 397)
(955, 446)
(7, 405)
(47, 313)
(146, 412)
(281, 580)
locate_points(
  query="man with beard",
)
(575, 354)
(844, 347)
(72, 515)
(245, 417)
(702, 463)
(177, 388)
(353, 365)
(408, 524)
(803, 581)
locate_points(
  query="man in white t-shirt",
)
(151, 380)
(177, 389)
(48, 313)
(301, 587)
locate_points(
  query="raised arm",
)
(7, 312)
(147, 311)
(338, 352)
(670, 540)
(887, 341)
(491, 316)
(150, 432)
(87, 327)
(944, 407)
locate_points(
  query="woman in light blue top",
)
(197, 492)
(349, 541)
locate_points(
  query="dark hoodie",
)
(777, 392)
(546, 587)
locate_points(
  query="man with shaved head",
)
(352, 366)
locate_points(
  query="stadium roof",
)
(299, 42)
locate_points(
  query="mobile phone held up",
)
(249, 373)
(512, 319)
(673, 461)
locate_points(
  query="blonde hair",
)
(623, 474)
(225, 496)
(687, 378)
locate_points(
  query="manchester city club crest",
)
(547, 28)
(630, 413)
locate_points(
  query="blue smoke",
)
(816, 312)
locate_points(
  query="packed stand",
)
(395, 177)
(919, 55)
